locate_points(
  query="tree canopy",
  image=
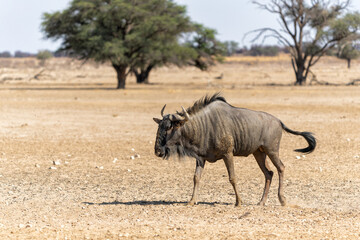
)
(348, 48)
(128, 33)
(208, 49)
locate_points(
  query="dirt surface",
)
(67, 138)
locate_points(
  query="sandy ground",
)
(72, 116)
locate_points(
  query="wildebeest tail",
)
(308, 137)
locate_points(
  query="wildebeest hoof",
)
(283, 202)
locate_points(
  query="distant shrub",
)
(231, 47)
(20, 54)
(258, 50)
(44, 55)
(5, 54)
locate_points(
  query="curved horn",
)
(187, 117)
(162, 110)
(176, 117)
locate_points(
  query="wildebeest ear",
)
(157, 120)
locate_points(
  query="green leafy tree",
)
(162, 49)
(348, 52)
(165, 53)
(197, 47)
(208, 49)
(309, 29)
(348, 48)
(124, 32)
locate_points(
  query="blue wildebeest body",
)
(212, 129)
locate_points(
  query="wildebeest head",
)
(168, 134)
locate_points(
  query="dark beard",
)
(179, 151)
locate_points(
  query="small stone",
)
(132, 157)
(21, 225)
(52, 168)
(133, 149)
(129, 170)
(137, 156)
(56, 163)
(100, 167)
(115, 160)
(37, 165)
(298, 157)
(348, 139)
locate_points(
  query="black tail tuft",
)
(308, 137)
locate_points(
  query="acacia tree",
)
(165, 51)
(196, 46)
(348, 48)
(163, 55)
(308, 28)
(348, 52)
(208, 49)
(119, 31)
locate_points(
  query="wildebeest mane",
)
(203, 102)
(179, 150)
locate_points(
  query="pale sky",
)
(20, 20)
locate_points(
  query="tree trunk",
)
(349, 63)
(143, 76)
(300, 79)
(121, 75)
(300, 73)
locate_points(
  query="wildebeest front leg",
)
(261, 160)
(229, 162)
(197, 176)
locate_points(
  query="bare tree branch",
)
(309, 26)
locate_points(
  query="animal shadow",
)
(152, 203)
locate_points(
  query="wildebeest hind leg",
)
(274, 156)
(229, 162)
(261, 160)
(197, 176)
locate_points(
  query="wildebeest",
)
(212, 129)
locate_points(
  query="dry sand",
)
(72, 116)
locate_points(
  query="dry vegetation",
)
(71, 114)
